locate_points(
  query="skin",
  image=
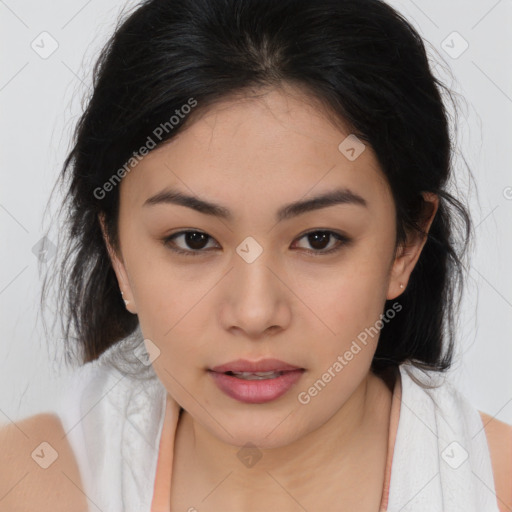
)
(254, 155)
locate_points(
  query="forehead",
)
(281, 144)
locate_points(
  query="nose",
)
(256, 299)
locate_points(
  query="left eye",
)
(197, 240)
(318, 240)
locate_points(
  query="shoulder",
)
(499, 439)
(38, 468)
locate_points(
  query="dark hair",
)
(360, 58)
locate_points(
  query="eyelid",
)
(343, 240)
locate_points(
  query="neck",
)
(358, 430)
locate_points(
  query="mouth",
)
(255, 382)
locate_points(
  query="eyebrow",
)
(331, 198)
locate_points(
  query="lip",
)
(264, 365)
(256, 391)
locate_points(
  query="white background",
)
(40, 104)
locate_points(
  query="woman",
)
(261, 271)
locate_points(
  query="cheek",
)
(350, 308)
(176, 325)
(347, 303)
(165, 296)
(354, 288)
(180, 358)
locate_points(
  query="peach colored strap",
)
(393, 428)
(161, 493)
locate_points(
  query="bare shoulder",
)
(499, 439)
(38, 468)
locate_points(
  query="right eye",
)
(196, 240)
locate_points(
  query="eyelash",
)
(343, 241)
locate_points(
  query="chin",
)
(266, 431)
(247, 438)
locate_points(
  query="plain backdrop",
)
(48, 49)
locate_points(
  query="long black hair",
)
(360, 58)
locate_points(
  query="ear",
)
(119, 269)
(408, 254)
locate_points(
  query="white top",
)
(113, 419)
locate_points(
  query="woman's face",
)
(250, 283)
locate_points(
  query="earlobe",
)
(402, 268)
(119, 269)
(399, 275)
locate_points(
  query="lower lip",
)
(256, 391)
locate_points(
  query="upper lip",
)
(264, 365)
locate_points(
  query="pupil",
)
(320, 237)
(195, 240)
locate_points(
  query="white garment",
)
(114, 423)
(441, 460)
